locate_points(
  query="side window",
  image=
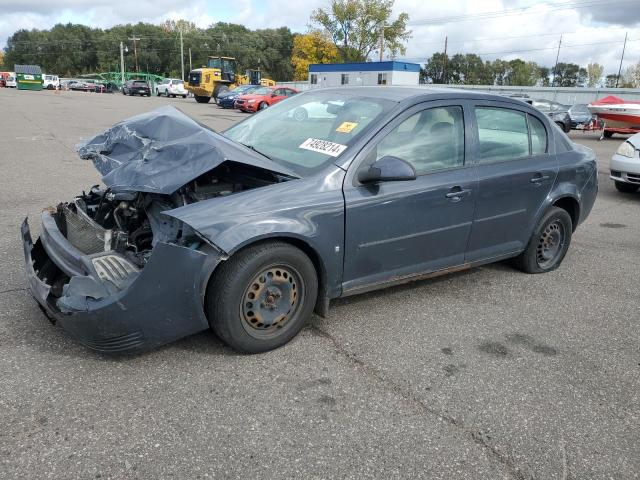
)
(429, 140)
(503, 134)
(538, 136)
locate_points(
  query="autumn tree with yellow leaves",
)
(308, 48)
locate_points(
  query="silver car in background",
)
(625, 165)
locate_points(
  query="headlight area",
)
(627, 150)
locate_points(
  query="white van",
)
(50, 82)
(11, 80)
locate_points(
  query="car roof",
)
(401, 93)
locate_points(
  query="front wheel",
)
(262, 105)
(626, 187)
(158, 93)
(548, 244)
(261, 297)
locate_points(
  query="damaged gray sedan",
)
(249, 231)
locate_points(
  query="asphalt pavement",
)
(485, 374)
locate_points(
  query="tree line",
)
(470, 69)
(71, 49)
(345, 31)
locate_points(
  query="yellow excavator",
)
(219, 76)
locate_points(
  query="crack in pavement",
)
(13, 290)
(478, 437)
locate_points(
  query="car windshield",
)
(244, 89)
(262, 91)
(306, 132)
(580, 108)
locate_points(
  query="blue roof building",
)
(363, 74)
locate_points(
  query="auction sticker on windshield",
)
(323, 146)
(346, 127)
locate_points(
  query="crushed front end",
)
(109, 266)
(112, 282)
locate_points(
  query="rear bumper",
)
(160, 303)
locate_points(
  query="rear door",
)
(515, 172)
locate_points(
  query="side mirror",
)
(388, 169)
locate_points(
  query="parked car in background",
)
(136, 87)
(262, 98)
(558, 113)
(12, 81)
(50, 82)
(228, 98)
(625, 165)
(248, 231)
(171, 87)
(84, 86)
(580, 116)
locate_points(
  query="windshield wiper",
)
(257, 151)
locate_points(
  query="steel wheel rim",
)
(550, 244)
(271, 300)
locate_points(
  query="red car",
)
(262, 98)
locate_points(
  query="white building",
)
(365, 73)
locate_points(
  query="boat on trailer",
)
(617, 115)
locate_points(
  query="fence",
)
(565, 95)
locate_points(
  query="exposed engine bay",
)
(131, 223)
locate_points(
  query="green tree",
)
(435, 69)
(569, 75)
(357, 26)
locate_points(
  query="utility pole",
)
(555, 68)
(381, 41)
(122, 63)
(624, 46)
(135, 50)
(190, 68)
(181, 54)
(444, 60)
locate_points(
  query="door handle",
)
(457, 193)
(539, 177)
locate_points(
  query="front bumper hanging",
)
(153, 306)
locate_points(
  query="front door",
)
(515, 174)
(398, 229)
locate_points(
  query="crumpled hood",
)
(162, 150)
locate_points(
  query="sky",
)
(592, 30)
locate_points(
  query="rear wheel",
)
(261, 297)
(626, 187)
(158, 93)
(201, 99)
(184, 96)
(548, 244)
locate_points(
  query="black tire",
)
(274, 274)
(158, 93)
(184, 96)
(548, 244)
(201, 99)
(262, 105)
(626, 187)
(607, 134)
